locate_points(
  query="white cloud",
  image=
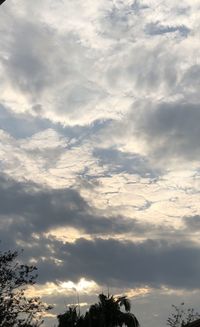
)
(96, 62)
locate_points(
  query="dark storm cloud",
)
(112, 262)
(159, 29)
(28, 208)
(170, 129)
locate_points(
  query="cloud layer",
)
(99, 151)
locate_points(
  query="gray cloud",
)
(31, 208)
(21, 125)
(25, 66)
(119, 19)
(189, 84)
(111, 262)
(152, 263)
(116, 161)
(145, 71)
(169, 129)
(192, 223)
(159, 29)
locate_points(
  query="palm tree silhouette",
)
(107, 313)
(72, 318)
(69, 318)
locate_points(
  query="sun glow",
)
(63, 288)
(82, 286)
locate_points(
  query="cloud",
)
(117, 162)
(158, 29)
(192, 223)
(29, 208)
(91, 71)
(30, 76)
(99, 153)
(21, 125)
(170, 129)
(152, 263)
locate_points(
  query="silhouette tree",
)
(181, 316)
(16, 309)
(2, 1)
(71, 318)
(107, 312)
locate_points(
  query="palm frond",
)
(123, 301)
(130, 320)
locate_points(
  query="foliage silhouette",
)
(69, 318)
(106, 313)
(181, 316)
(2, 1)
(16, 309)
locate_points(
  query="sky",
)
(100, 149)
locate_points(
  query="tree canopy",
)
(106, 313)
(2, 1)
(182, 316)
(16, 309)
